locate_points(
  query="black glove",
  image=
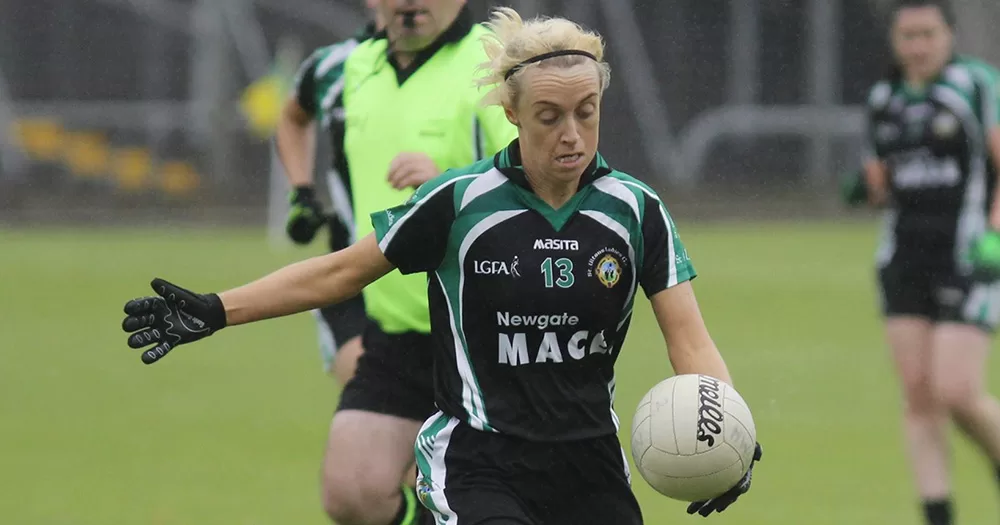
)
(721, 503)
(176, 317)
(306, 215)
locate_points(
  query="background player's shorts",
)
(338, 324)
(394, 375)
(484, 477)
(938, 293)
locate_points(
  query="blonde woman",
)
(534, 259)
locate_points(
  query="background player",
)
(933, 143)
(410, 110)
(526, 432)
(318, 96)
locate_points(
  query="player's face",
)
(922, 41)
(414, 24)
(558, 114)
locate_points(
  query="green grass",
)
(231, 430)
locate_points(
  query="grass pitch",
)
(231, 430)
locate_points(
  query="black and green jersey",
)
(319, 89)
(934, 142)
(529, 305)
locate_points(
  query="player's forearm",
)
(298, 287)
(296, 142)
(306, 285)
(700, 359)
(876, 179)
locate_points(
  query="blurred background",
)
(105, 103)
(135, 142)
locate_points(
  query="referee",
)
(402, 107)
(533, 259)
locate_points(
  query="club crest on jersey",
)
(945, 125)
(607, 265)
(424, 490)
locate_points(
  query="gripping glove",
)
(173, 317)
(853, 189)
(721, 503)
(985, 255)
(306, 215)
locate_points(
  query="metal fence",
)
(124, 106)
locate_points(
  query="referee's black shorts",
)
(912, 284)
(484, 478)
(394, 375)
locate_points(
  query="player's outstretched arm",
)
(177, 316)
(689, 345)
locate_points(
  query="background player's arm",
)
(877, 180)
(689, 345)
(874, 169)
(296, 134)
(297, 143)
(312, 283)
(988, 85)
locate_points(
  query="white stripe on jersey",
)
(389, 235)
(478, 409)
(338, 55)
(483, 184)
(668, 225)
(615, 226)
(617, 189)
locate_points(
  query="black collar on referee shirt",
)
(508, 161)
(456, 31)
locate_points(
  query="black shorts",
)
(338, 324)
(937, 292)
(394, 375)
(474, 477)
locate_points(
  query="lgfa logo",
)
(497, 267)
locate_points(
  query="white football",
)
(693, 437)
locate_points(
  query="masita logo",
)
(557, 244)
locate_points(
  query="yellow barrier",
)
(132, 167)
(178, 178)
(87, 154)
(41, 139)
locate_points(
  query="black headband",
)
(543, 56)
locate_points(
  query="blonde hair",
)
(512, 40)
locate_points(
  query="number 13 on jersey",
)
(562, 266)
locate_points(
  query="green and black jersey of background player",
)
(934, 143)
(530, 305)
(319, 88)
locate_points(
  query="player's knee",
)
(350, 498)
(956, 394)
(918, 394)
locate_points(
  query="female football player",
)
(534, 259)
